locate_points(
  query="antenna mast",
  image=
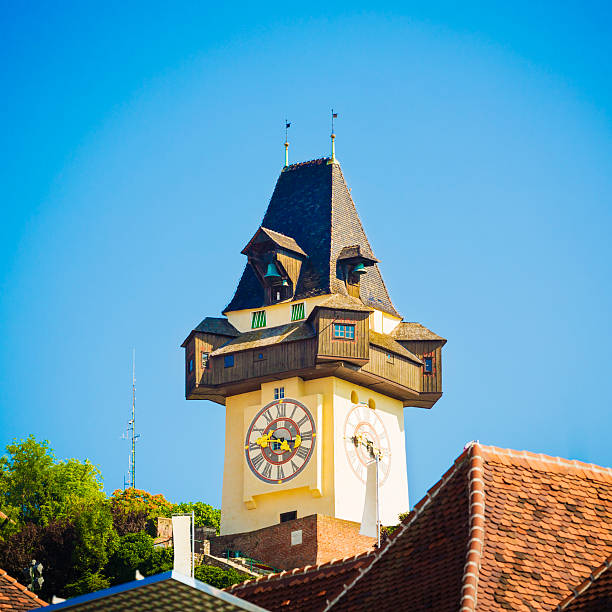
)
(133, 462)
(130, 482)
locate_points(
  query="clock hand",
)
(264, 441)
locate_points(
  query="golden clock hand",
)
(285, 446)
(264, 441)
(297, 442)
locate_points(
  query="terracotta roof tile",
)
(302, 589)
(507, 529)
(14, 596)
(592, 595)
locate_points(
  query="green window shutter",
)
(297, 311)
(259, 319)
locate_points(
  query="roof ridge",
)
(546, 462)
(407, 522)
(471, 569)
(310, 162)
(300, 570)
(585, 584)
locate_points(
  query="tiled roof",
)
(266, 336)
(389, 344)
(305, 589)
(213, 325)
(414, 331)
(351, 252)
(312, 205)
(344, 302)
(502, 530)
(281, 240)
(592, 595)
(14, 596)
(217, 325)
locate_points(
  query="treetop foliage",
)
(59, 515)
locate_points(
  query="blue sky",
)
(142, 142)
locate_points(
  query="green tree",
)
(25, 474)
(204, 514)
(96, 538)
(219, 578)
(135, 551)
(36, 488)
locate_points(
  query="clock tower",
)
(313, 362)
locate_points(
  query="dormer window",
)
(298, 312)
(427, 365)
(258, 319)
(276, 260)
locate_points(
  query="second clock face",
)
(280, 441)
(363, 425)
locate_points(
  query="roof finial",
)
(333, 136)
(287, 126)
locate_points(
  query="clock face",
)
(280, 441)
(363, 426)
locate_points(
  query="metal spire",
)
(287, 126)
(333, 136)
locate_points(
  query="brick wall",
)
(337, 538)
(322, 538)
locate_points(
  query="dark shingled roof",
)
(389, 344)
(213, 325)
(281, 240)
(217, 325)
(414, 331)
(351, 252)
(258, 338)
(312, 205)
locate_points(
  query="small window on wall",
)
(259, 319)
(344, 331)
(279, 393)
(190, 365)
(205, 357)
(228, 361)
(297, 311)
(389, 357)
(288, 516)
(427, 365)
(259, 356)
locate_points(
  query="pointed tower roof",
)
(311, 204)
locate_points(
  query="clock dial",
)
(363, 425)
(280, 441)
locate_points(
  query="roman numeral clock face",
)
(363, 429)
(280, 441)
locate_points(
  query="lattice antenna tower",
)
(131, 434)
